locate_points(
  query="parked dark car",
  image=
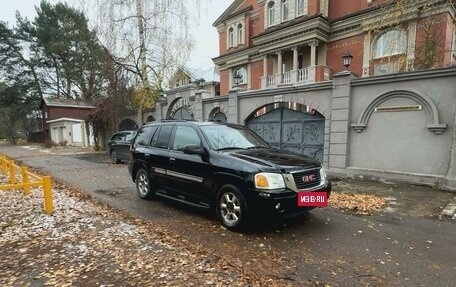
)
(224, 167)
(119, 146)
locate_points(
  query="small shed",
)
(64, 121)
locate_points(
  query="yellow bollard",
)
(12, 172)
(25, 179)
(47, 188)
(3, 163)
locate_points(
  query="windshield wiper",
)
(257, 146)
(228, 148)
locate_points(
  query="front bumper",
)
(281, 205)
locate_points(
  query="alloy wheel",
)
(143, 185)
(230, 208)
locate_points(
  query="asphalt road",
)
(326, 248)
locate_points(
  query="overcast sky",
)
(205, 36)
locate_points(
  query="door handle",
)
(147, 155)
(172, 159)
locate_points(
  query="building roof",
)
(65, 120)
(64, 102)
(209, 75)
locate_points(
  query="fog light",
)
(277, 207)
(265, 194)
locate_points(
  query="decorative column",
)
(233, 106)
(313, 60)
(411, 46)
(366, 54)
(265, 66)
(313, 52)
(295, 58)
(197, 105)
(294, 75)
(264, 79)
(278, 76)
(158, 111)
(279, 62)
(340, 121)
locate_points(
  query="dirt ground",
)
(86, 243)
(402, 200)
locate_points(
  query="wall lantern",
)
(237, 79)
(347, 58)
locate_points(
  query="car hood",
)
(275, 158)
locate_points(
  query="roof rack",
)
(178, 120)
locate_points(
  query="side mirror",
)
(193, 149)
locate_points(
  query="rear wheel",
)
(114, 158)
(231, 208)
(143, 185)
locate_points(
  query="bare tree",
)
(149, 38)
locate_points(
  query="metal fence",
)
(25, 181)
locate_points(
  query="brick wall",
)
(256, 74)
(338, 8)
(68, 112)
(354, 45)
(313, 7)
(224, 82)
(437, 32)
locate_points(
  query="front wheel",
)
(143, 185)
(231, 208)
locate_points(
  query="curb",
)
(450, 210)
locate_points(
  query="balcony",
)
(296, 77)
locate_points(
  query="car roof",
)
(190, 122)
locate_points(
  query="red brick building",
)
(64, 120)
(272, 43)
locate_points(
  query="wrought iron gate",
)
(295, 130)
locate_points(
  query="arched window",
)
(240, 34)
(301, 7)
(230, 37)
(285, 10)
(241, 72)
(390, 43)
(271, 13)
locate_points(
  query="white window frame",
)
(395, 37)
(270, 12)
(230, 37)
(240, 33)
(303, 4)
(285, 10)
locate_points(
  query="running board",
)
(201, 205)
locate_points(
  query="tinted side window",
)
(145, 135)
(184, 136)
(116, 137)
(129, 137)
(163, 136)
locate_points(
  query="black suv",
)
(226, 167)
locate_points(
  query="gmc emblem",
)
(308, 178)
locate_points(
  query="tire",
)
(143, 185)
(114, 158)
(231, 208)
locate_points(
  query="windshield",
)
(231, 137)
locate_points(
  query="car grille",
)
(307, 179)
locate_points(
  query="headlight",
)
(266, 180)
